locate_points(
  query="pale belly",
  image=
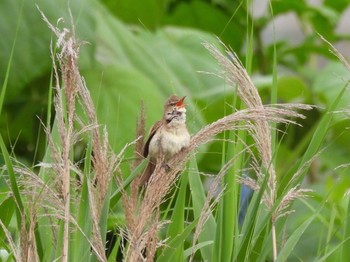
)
(170, 142)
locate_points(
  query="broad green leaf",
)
(338, 5)
(292, 89)
(31, 56)
(288, 6)
(203, 15)
(146, 13)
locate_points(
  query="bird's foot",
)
(166, 167)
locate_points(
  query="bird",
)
(167, 136)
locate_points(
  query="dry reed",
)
(55, 195)
(74, 86)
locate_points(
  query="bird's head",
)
(175, 109)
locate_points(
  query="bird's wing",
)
(154, 129)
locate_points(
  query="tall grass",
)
(62, 212)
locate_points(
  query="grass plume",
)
(235, 74)
(56, 194)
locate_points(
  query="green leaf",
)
(314, 145)
(228, 210)
(31, 58)
(188, 252)
(288, 6)
(7, 208)
(292, 88)
(176, 226)
(338, 5)
(329, 82)
(113, 255)
(177, 241)
(115, 197)
(9, 64)
(345, 251)
(198, 199)
(210, 18)
(254, 228)
(13, 183)
(293, 239)
(146, 13)
(80, 245)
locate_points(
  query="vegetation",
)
(265, 177)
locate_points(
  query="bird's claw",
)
(166, 167)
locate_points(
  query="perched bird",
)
(168, 135)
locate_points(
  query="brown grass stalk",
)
(334, 51)
(104, 161)
(15, 251)
(27, 237)
(68, 63)
(42, 195)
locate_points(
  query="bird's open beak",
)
(180, 103)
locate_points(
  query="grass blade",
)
(227, 216)
(115, 197)
(198, 198)
(294, 238)
(177, 221)
(8, 69)
(7, 208)
(345, 254)
(177, 241)
(314, 145)
(13, 180)
(81, 247)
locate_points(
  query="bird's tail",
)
(147, 173)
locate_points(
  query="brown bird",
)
(168, 135)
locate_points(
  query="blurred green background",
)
(150, 49)
(147, 50)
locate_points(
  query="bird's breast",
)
(171, 140)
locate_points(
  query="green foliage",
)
(147, 50)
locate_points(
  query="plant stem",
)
(274, 243)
